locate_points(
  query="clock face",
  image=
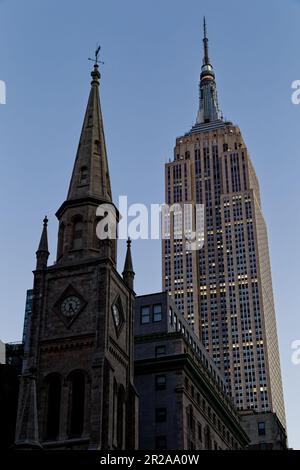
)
(116, 314)
(70, 306)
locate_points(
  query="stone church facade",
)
(76, 388)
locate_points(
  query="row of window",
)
(77, 408)
(77, 404)
(151, 313)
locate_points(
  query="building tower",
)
(225, 288)
(76, 389)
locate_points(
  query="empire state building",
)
(225, 288)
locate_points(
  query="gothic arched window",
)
(120, 417)
(77, 404)
(61, 237)
(83, 175)
(77, 233)
(98, 147)
(53, 407)
(115, 401)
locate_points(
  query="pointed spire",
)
(205, 43)
(42, 253)
(208, 99)
(43, 245)
(128, 273)
(90, 176)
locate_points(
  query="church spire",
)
(89, 187)
(208, 99)
(90, 176)
(42, 253)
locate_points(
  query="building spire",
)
(205, 43)
(208, 99)
(128, 273)
(89, 186)
(42, 253)
(90, 177)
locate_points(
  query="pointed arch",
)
(53, 386)
(77, 380)
(120, 417)
(83, 176)
(61, 240)
(114, 412)
(77, 241)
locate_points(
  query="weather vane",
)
(96, 59)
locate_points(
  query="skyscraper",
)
(225, 288)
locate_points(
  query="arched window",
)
(115, 401)
(77, 404)
(61, 237)
(78, 234)
(120, 417)
(53, 407)
(97, 147)
(83, 175)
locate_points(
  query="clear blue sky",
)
(152, 52)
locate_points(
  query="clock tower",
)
(76, 389)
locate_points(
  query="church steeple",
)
(79, 338)
(89, 187)
(90, 173)
(208, 99)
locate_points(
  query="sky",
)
(149, 92)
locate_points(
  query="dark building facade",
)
(76, 389)
(10, 370)
(182, 394)
(264, 430)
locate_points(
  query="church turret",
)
(128, 273)
(42, 253)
